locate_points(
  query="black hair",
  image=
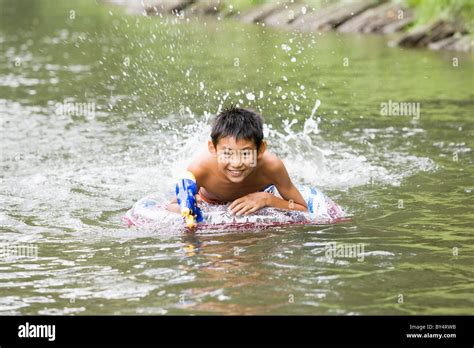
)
(238, 123)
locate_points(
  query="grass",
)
(429, 10)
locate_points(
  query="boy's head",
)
(237, 142)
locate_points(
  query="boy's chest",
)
(225, 191)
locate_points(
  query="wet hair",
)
(238, 123)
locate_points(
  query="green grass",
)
(429, 10)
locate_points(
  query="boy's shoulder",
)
(201, 165)
(274, 170)
(270, 166)
(271, 163)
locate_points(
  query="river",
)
(99, 108)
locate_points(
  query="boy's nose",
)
(236, 161)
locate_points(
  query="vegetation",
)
(426, 10)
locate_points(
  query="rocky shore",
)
(359, 16)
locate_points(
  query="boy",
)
(238, 168)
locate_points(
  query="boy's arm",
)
(173, 206)
(292, 198)
(278, 175)
(173, 203)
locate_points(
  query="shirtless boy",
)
(238, 168)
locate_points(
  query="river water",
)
(99, 108)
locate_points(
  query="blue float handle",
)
(186, 190)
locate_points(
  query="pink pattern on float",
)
(151, 211)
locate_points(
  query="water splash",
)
(116, 176)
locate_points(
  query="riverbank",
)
(361, 16)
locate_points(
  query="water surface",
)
(68, 175)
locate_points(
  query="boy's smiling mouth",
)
(235, 173)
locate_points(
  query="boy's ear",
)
(212, 148)
(261, 149)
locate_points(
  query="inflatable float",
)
(151, 210)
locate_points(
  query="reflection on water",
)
(102, 110)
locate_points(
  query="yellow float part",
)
(190, 221)
(187, 175)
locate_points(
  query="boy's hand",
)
(198, 200)
(249, 204)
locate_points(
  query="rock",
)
(332, 16)
(228, 11)
(442, 43)
(438, 32)
(359, 22)
(364, 16)
(388, 16)
(432, 32)
(131, 6)
(397, 25)
(286, 14)
(154, 7)
(462, 43)
(258, 13)
(412, 38)
(376, 18)
(204, 7)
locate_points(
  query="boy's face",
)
(236, 159)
